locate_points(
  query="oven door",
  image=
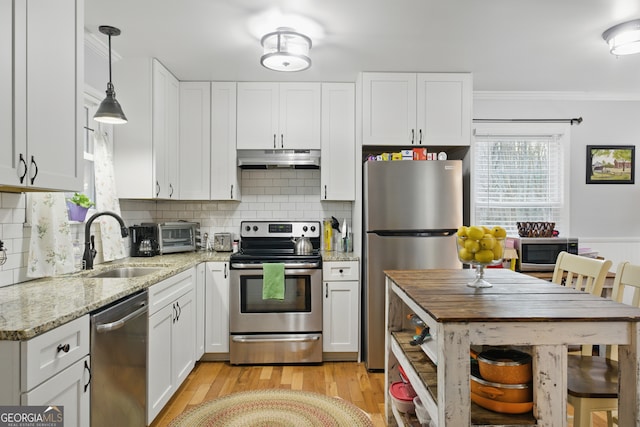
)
(299, 311)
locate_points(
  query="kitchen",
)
(608, 113)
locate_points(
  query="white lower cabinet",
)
(172, 337)
(340, 309)
(69, 389)
(216, 325)
(52, 369)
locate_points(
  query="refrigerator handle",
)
(414, 233)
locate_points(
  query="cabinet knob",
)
(341, 271)
(64, 347)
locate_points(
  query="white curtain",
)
(50, 248)
(111, 244)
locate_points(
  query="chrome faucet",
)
(89, 245)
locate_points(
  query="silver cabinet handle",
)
(246, 339)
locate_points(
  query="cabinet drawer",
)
(48, 354)
(340, 270)
(169, 290)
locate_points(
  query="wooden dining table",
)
(518, 310)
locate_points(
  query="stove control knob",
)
(255, 228)
(304, 228)
(313, 228)
(247, 228)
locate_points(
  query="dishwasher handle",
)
(112, 326)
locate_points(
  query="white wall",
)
(602, 216)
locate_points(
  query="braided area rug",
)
(274, 408)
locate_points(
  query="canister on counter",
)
(327, 235)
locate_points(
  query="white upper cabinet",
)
(195, 140)
(337, 171)
(416, 109)
(278, 116)
(225, 174)
(145, 149)
(41, 94)
(207, 151)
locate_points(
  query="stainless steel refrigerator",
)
(412, 210)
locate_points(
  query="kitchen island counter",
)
(518, 310)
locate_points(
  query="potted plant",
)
(78, 206)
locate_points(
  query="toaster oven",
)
(179, 236)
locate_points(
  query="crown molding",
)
(555, 96)
(97, 45)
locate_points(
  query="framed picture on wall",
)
(610, 164)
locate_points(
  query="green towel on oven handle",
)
(273, 280)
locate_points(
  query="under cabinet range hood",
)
(265, 159)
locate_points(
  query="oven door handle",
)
(250, 339)
(240, 265)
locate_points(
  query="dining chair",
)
(582, 273)
(593, 380)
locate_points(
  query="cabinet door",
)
(70, 389)
(216, 324)
(184, 338)
(340, 316)
(160, 382)
(200, 309)
(257, 116)
(165, 131)
(389, 109)
(444, 108)
(337, 174)
(10, 167)
(195, 140)
(48, 96)
(299, 118)
(224, 168)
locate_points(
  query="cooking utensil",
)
(504, 366)
(303, 245)
(335, 224)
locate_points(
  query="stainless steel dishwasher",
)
(119, 363)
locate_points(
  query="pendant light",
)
(110, 110)
(285, 50)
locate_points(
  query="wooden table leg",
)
(454, 400)
(629, 379)
(550, 385)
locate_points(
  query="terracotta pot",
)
(504, 366)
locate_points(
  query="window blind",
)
(518, 178)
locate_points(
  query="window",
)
(520, 172)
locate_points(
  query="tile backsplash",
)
(270, 194)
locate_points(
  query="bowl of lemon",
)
(480, 246)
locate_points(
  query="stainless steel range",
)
(267, 331)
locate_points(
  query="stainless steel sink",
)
(126, 272)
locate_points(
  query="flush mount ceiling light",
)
(623, 39)
(110, 110)
(285, 50)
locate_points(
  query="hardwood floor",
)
(348, 380)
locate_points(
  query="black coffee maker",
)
(144, 240)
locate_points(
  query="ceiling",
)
(509, 45)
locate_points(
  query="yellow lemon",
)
(475, 233)
(461, 241)
(472, 246)
(465, 255)
(484, 256)
(499, 232)
(497, 250)
(486, 229)
(462, 231)
(488, 241)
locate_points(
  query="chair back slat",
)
(582, 273)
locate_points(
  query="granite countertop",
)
(31, 308)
